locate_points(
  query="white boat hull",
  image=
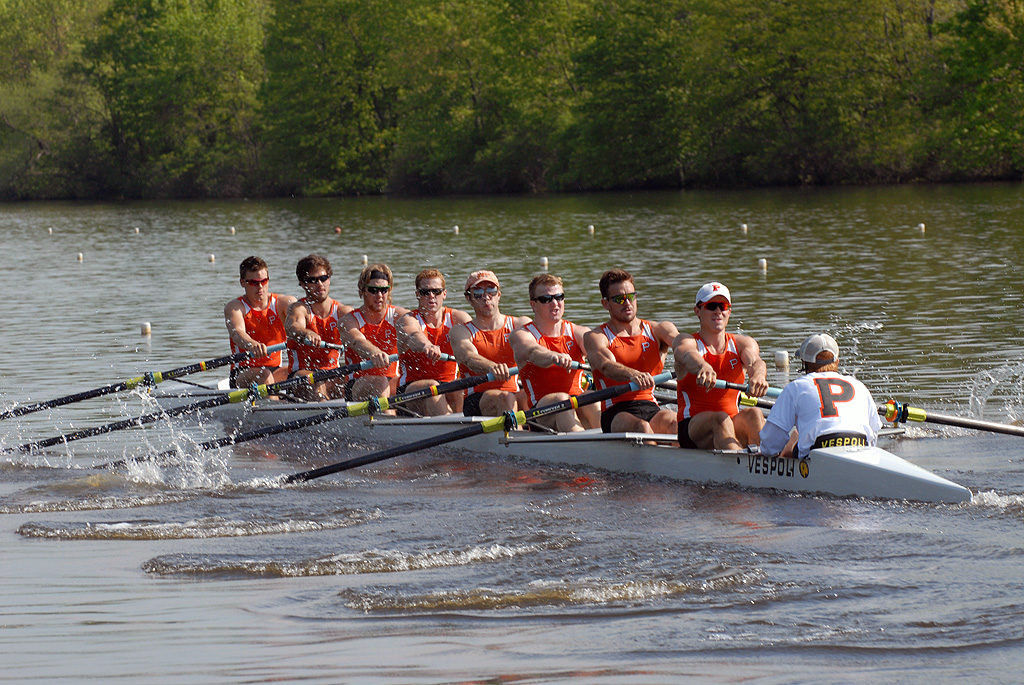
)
(870, 472)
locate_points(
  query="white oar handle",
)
(725, 385)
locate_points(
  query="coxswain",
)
(826, 408)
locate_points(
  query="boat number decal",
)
(805, 467)
(771, 466)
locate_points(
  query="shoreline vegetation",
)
(110, 99)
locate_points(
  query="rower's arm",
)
(528, 351)
(295, 324)
(412, 338)
(467, 356)
(601, 359)
(234, 319)
(757, 370)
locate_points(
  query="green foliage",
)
(179, 79)
(172, 98)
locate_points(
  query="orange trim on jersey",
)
(415, 366)
(693, 399)
(329, 330)
(540, 381)
(262, 325)
(641, 352)
(495, 346)
(383, 335)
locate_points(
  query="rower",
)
(313, 320)
(254, 321)
(626, 349)
(826, 408)
(415, 370)
(545, 350)
(708, 416)
(375, 331)
(483, 346)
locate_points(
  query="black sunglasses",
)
(316, 279)
(377, 289)
(423, 292)
(546, 299)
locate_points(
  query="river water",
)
(446, 566)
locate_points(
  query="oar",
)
(233, 397)
(350, 410)
(897, 412)
(139, 381)
(725, 385)
(505, 422)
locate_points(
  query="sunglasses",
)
(377, 289)
(623, 298)
(716, 306)
(423, 292)
(309, 280)
(257, 281)
(481, 293)
(547, 299)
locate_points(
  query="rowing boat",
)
(852, 471)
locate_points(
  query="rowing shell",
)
(853, 471)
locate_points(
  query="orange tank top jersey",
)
(693, 399)
(266, 326)
(414, 366)
(383, 335)
(540, 381)
(496, 346)
(641, 352)
(328, 328)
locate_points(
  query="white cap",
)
(713, 289)
(815, 345)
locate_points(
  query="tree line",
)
(227, 98)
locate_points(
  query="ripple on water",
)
(369, 561)
(208, 527)
(559, 593)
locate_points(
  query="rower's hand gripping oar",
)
(234, 397)
(505, 422)
(148, 379)
(364, 408)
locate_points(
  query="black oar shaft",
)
(237, 396)
(138, 381)
(485, 426)
(381, 455)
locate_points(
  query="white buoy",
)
(147, 330)
(232, 230)
(365, 260)
(212, 259)
(920, 227)
(743, 227)
(50, 230)
(781, 360)
(590, 229)
(544, 263)
(136, 230)
(456, 230)
(762, 264)
(81, 257)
